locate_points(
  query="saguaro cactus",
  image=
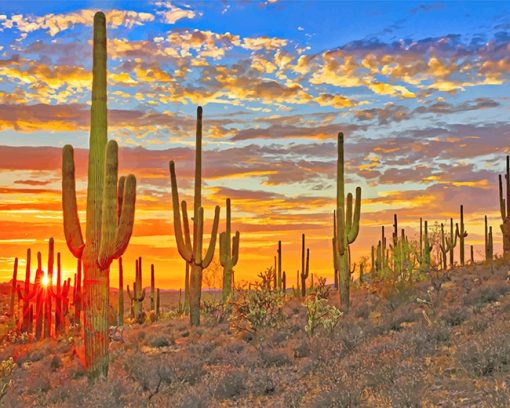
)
(77, 293)
(138, 295)
(461, 234)
(305, 267)
(186, 290)
(347, 226)
(229, 254)
(191, 251)
(489, 246)
(427, 248)
(14, 285)
(110, 212)
(504, 205)
(26, 295)
(121, 293)
(153, 289)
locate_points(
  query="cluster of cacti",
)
(36, 298)
(382, 255)
(305, 266)
(347, 226)
(448, 244)
(504, 206)
(110, 212)
(229, 254)
(191, 249)
(138, 295)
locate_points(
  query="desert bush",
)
(322, 290)
(252, 310)
(351, 336)
(320, 313)
(230, 384)
(454, 317)
(159, 341)
(486, 355)
(6, 369)
(485, 295)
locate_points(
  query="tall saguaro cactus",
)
(229, 254)
(191, 251)
(504, 205)
(461, 234)
(347, 225)
(305, 267)
(107, 234)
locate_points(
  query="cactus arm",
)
(223, 249)
(185, 251)
(72, 228)
(352, 233)
(131, 296)
(109, 209)
(235, 248)
(348, 212)
(120, 196)
(185, 223)
(212, 243)
(341, 231)
(127, 218)
(502, 204)
(142, 296)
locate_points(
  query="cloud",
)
(56, 23)
(171, 14)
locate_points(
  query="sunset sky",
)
(420, 90)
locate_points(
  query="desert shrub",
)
(322, 290)
(6, 369)
(301, 349)
(320, 313)
(351, 336)
(486, 355)
(159, 341)
(275, 358)
(477, 324)
(214, 311)
(455, 317)
(252, 310)
(231, 384)
(485, 295)
(344, 393)
(398, 294)
(426, 339)
(55, 363)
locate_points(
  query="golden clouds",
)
(55, 23)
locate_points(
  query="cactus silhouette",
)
(229, 254)
(347, 222)
(504, 206)
(191, 250)
(110, 213)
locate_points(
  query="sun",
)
(45, 281)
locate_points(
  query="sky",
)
(420, 90)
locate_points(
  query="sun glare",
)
(45, 281)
